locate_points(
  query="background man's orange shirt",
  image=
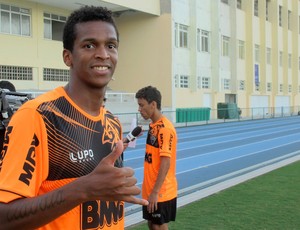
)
(161, 141)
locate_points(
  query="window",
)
(269, 56)
(299, 24)
(184, 81)
(205, 83)
(181, 35)
(242, 85)
(280, 16)
(225, 1)
(15, 73)
(257, 87)
(289, 20)
(203, 41)
(53, 26)
(225, 46)
(176, 81)
(280, 58)
(280, 87)
(256, 8)
(199, 82)
(241, 50)
(290, 88)
(267, 10)
(256, 53)
(15, 20)
(56, 75)
(269, 86)
(226, 84)
(239, 4)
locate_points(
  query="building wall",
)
(144, 54)
(33, 51)
(227, 20)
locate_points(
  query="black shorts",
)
(166, 212)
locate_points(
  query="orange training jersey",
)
(161, 141)
(49, 142)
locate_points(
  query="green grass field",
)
(271, 201)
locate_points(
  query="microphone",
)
(133, 134)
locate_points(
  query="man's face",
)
(146, 109)
(95, 53)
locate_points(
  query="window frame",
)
(239, 4)
(241, 49)
(225, 2)
(184, 81)
(205, 82)
(203, 40)
(54, 27)
(255, 8)
(226, 84)
(225, 46)
(23, 73)
(269, 56)
(58, 75)
(289, 20)
(19, 20)
(280, 15)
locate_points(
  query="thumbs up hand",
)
(109, 183)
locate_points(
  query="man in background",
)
(160, 183)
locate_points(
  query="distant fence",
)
(201, 116)
(225, 112)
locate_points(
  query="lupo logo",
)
(82, 156)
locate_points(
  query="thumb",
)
(115, 153)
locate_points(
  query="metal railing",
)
(214, 116)
(191, 116)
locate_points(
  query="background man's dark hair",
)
(85, 14)
(150, 93)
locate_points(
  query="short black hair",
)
(150, 93)
(85, 14)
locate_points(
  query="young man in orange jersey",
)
(59, 168)
(159, 184)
